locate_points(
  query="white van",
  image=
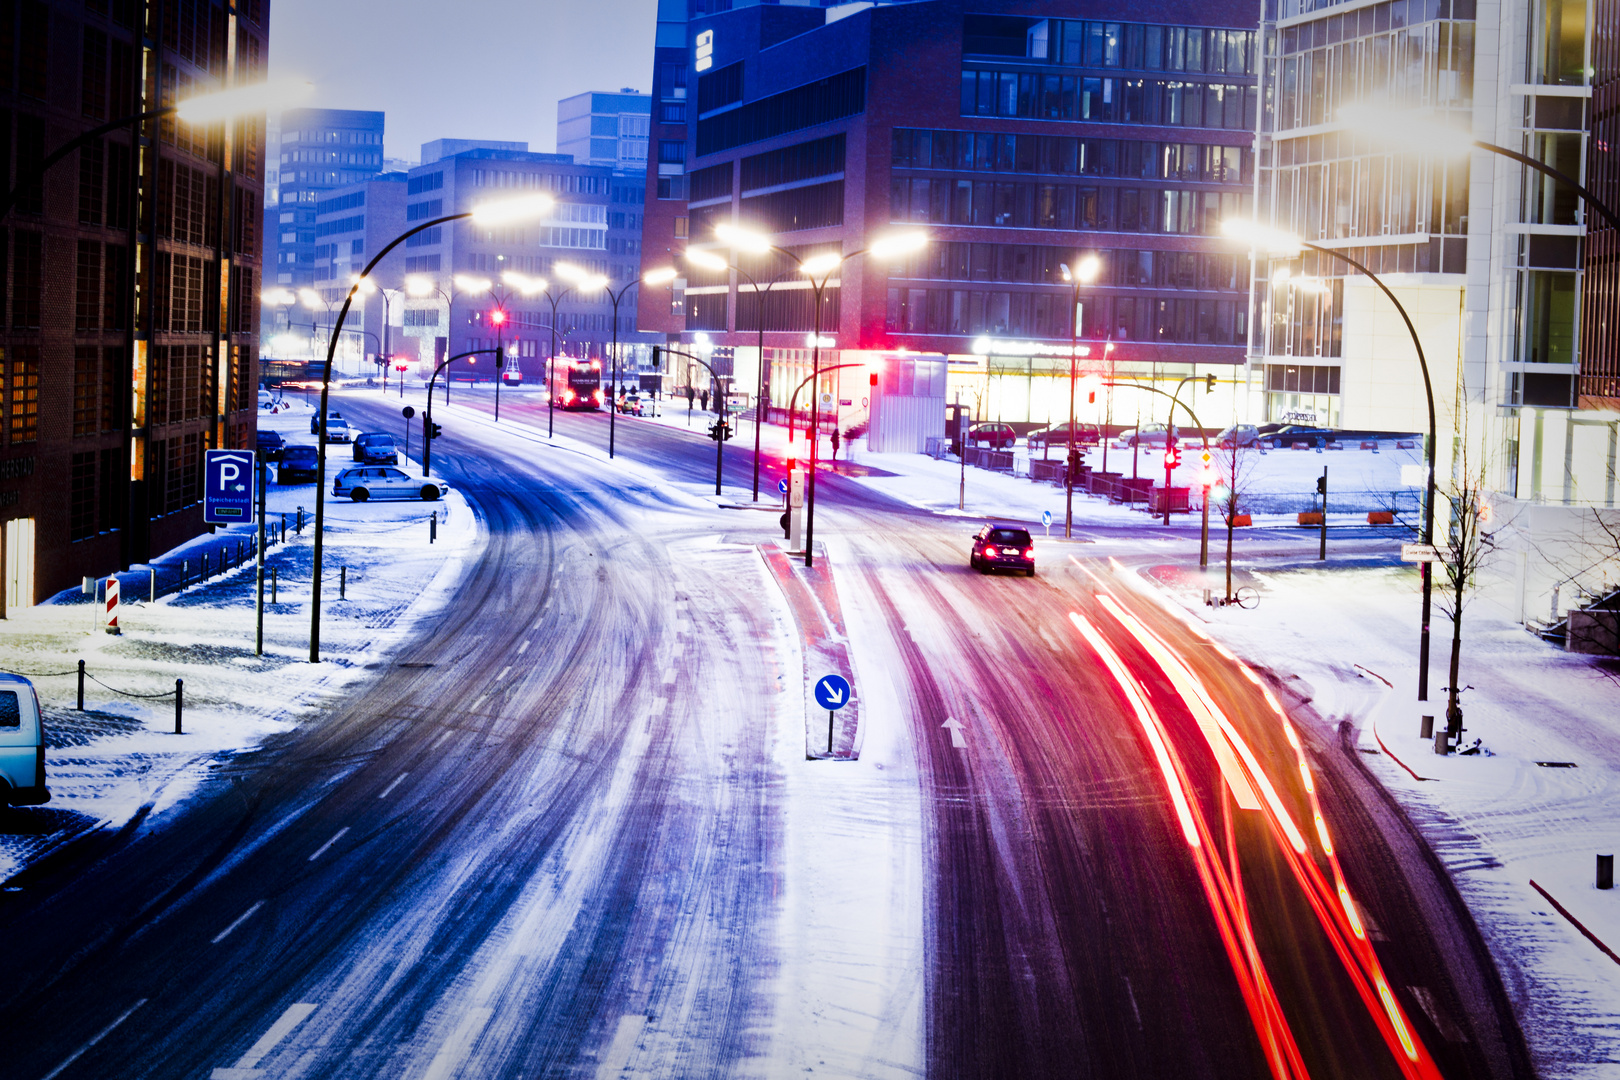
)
(22, 744)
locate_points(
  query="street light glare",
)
(472, 284)
(310, 298)
(1255, 235)
(742, 239)
(418, 286)
(278, 297)
(1418, 131)
(270, 95)
(706, 259)
(511, 211)
(569, 272)
(1088, 268)
(897, 244)
(524, 284)
(663, 275)
(363, 284)
(825, 263)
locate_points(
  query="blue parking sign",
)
(228, 486)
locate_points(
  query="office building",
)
(443, 148)
(1487, 255)
(128, 311)
(605, 129)
(316, 151)
(1020, 141)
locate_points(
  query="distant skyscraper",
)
(606, 129)
(317, 150)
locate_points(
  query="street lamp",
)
(1084, 273)
(369, 288)
(708, 260)
(505, 211)
(599, 283)
(1275, 242)
(1421, 132)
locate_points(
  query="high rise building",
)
(605, 129)
(132, 276)
(443, 148)
(1487, 255)
(1019, 141)
(316, 151)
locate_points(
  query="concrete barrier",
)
(1380, 517)
(1310, 517)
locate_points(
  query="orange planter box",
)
(1240, 520)
(1380, 517)
(1310, 517)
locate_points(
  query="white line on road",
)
(336, 837)
(240, 919)
(389, 790)
(669, 675)
(474, 706)
(97, 1037)
(505, 671)
(447, 733)
(457, 1046)
(523, 648)
(248, 1066)
(618, 1051)
(955, 727)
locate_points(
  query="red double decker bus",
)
(582, 384)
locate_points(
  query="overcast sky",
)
(478, 69)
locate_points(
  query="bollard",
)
(283, 528)
(1605, 871)
(433, 527)
(272, 584)
(300, 528)
(81, 686)
(184, 571)
(179, 702)
(1442, 743)
(239, 553)
(1426, 729)
(153, 571)
(343, 582)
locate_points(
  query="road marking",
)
(389, 790)
(623, 1044)
(955, 726)
(97, 1037)
(240, 919)
(477, 702)
(524, 647)
(447, 733)
(457, 1046)
(248, 1066)
(683, 626)
(505, 671)
(669, 675)
(335, 838)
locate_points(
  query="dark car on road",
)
(995, 436)
(1058, 435)
(376, 448)
(1286, 435)
(269, 445)
(298, 465)
(1003, 547)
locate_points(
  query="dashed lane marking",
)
(458, 1045)
(524, 647)
(240, 919)
(505, 671)
(97, 1037)
(389, 790)
(619, 1050)
(447, 733)
(335, 838)
(247, 1068)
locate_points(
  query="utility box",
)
(795, 492)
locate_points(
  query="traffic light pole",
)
(1175, 399)
(427, 417)
(720, 431)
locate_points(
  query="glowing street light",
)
(276, 93)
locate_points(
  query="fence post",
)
(272, 584)
(343, 582)
(179, 702)
(433, 527)
(81, 686)
(153, 571)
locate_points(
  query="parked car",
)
(1149, 435)
(298, 465)
(315, 421)
(1288, 434)
(1003, 547)
(269, 444)
(1058, 435)
(338, 430)
(376, 448)
(1238, 435)
(383, 482)
(22, 744)
(995, 436)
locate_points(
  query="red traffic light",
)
(792, 463)
(498, 317)
(1172, 458)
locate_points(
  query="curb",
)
(1576, 923)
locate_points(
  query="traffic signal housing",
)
(1209, 383)
(434, 431)
(1172, 457)
(720, 431)
(1321, 485)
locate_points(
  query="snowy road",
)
(568, 836)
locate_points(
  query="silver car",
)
(384, 482)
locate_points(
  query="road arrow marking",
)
(955, 727)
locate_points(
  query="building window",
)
(82, 496)
(1548, 311)
(22, 405)
(681, 224)
(28, 283)
(416, 185)
(820, 102)
(422, 211)
(426, 238)
(671, 152)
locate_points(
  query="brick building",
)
(129, 307)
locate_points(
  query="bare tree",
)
(1597, 541)
(1235, 464)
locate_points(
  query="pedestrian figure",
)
(835, 442)
(704, 399)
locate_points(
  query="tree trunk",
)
(1453, 716)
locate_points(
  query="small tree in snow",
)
(1235, 465)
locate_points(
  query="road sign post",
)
(1046, 522)
(832, 694)
(1420, 553)
(228, 483)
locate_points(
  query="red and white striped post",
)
(112, 606)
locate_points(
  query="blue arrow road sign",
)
(832, 692)
(1046, 517)
(228, 486)
(781, 487)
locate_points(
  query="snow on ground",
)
(120, 756)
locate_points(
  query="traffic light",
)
(872, 379)
(1209, 383)
(1091, 398)
(720, 431)
(656, 365)
(1172, 457)
(498, 317)
(434, 431)
(1321, 485)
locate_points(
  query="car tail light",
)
(989, 552)
(1029, 553)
